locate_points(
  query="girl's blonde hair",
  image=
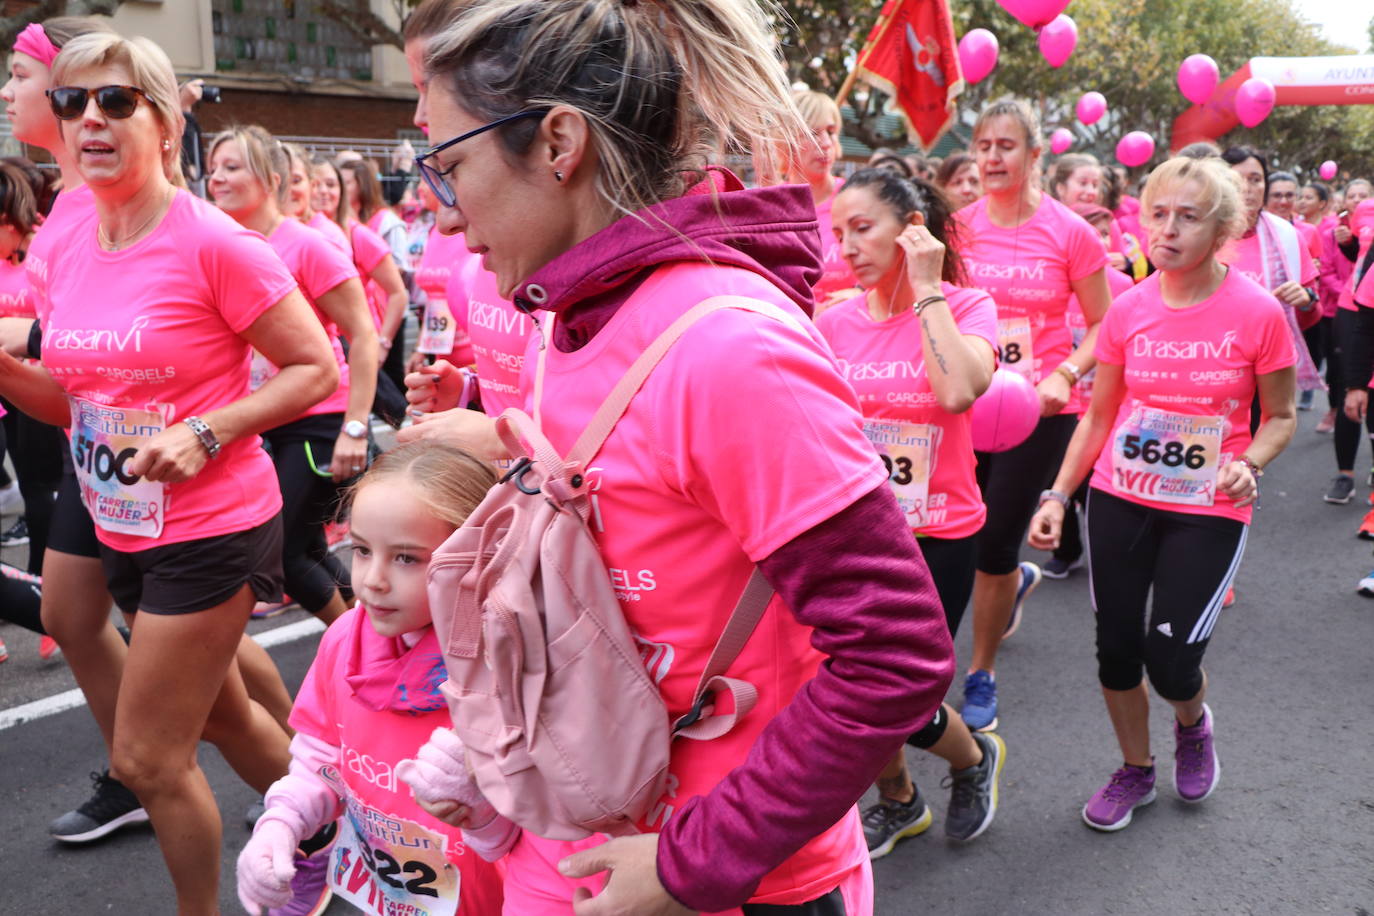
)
(149, 69)
(1020, 111)
(815, 106)
(1219, 184)
(451, 481)
(649, 77)
(263, 156)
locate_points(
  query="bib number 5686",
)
(1171, 454)
(101, 461)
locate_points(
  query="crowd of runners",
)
(190, 387)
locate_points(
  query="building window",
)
(272, 36)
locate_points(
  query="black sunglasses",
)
(119, 102)
(436, 179)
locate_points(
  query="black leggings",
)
(952, 563)
(1187, 560)
(312, 574)
(21, 597)
(1011, 482)
(1346, 435)
(832, 904)
(36, 449)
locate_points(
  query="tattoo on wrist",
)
(934, 347)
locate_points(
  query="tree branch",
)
(365, 25)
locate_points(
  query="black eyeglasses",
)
(437, 180)
(119, 102)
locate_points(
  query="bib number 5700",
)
(101, 461)
(1171, 454)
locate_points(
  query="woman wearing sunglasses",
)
(153, 378)
(327, 444)
(569, 128)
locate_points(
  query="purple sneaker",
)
(1196, 768)
(310, 893)
(1129, 788)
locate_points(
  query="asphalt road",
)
(1290, 830)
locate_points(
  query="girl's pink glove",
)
(267, 865)
(439, 774)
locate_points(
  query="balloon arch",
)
(1346, 80)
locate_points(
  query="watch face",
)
(356, 429)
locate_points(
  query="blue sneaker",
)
(980, 702)
(1030, 578)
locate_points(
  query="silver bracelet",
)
(1061, 498)
(204, 434)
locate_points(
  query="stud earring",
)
(557, 175)
(166, 144)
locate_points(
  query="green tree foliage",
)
(1129, 50)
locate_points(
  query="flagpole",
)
(848, 85)
(858, 59)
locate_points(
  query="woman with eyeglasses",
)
(150, 308)
(567, 134)
(316, 452)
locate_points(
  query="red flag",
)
(911, 55)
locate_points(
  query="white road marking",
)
(71, 699)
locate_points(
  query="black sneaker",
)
(110, 807)
(888, 821)
(17, 534)
(1058, 568)
(1341, 489)
(973, 791)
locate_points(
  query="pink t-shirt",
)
(1362, 225)
(318, 267)
(499, 333)
(368, 250)
(16, 296)
(1308, 234)
(1118, 283)
(1029, 270)
(444, 256)
(836, 274)
(695, 485)
(377, 701)
(930, 451)
(323, 224)
(1246, 256)
(1189, 376)
(144, 337)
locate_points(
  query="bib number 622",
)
(1171, 454)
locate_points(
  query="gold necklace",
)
(109, 245)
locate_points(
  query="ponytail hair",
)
(263, 156)
(451, 481)
(906, 196)
(1067, 164)
(651, 78)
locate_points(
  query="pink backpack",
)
(565, 731)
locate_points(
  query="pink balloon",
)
(1091, 107)
(1006, 414)
(1034, 13)
(977, 54)
(1254, 100)
(1061, 140)
(1058, 39)
(1327, 170)
(1197, 78)
(1135, 149)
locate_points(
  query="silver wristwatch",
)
(355, 429)
(1061, 498)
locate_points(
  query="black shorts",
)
(196, 575)
(72, 529)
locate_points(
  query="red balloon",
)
(1034, 13)
(1058, 39)
(1006, 414)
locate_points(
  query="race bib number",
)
(392, 867)
(104, 440)
(437, 328)
(905, 449)
(1168, 457)
(1014, 346)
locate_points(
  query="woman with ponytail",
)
(568, 134)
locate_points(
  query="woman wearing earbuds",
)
(918, 349)
(1174, 471)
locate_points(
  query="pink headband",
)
(34, 42)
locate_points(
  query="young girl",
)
(370, 699)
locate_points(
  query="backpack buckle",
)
(694, 714)
(516, 475)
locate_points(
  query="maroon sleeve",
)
(859, 580)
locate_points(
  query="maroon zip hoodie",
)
(857, 579)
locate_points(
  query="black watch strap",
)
(35, 340)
